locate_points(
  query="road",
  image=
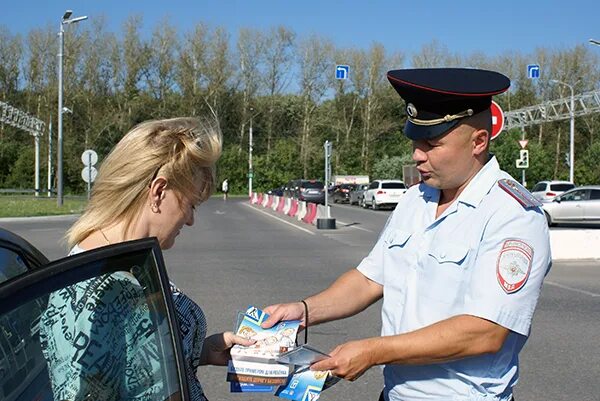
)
(237, 254)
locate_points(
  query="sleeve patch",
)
(519, 193)
(514, 265)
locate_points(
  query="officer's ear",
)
(480, 139)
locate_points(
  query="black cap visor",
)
(416, 132)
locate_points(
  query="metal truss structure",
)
(19, 119)
(555, 110)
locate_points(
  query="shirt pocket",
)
(399, 257)
(443, 272)
(396, 238)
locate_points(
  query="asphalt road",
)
(237, 254)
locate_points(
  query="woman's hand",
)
(215, 350)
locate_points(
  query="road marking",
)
(44, 229)
(566, 287)
(277, 218)
(352, 225)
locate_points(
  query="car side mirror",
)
(557, 199)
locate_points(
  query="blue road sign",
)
(341, 71)
(533, 71)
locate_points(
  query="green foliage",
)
(388, 168)
(587, 168)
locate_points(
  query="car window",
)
(539, 187)
(574, 195)
(393, 185)
(11, 264)
(374, 185)
(59, 339)
(561, 187)
(595, 194)
(312, 184)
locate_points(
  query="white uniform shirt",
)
(485, 256)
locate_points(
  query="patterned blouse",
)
(100, 342)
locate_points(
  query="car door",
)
(571, 206)
(39, 341)
(591, 208)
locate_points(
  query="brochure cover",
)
(270, 343)
(257, 372)
(303, 385)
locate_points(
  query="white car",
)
(383, 193)
(577, 206)
(546, 191)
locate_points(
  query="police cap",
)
(438, 98)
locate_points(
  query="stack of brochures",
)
(273, 363)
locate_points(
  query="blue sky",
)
(462, 26)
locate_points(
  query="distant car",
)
(580, 205)
(306, 190)
(341, 193)
(356, 195)
(546, 191)
(26, 281)
(276, 191)
(383, 193)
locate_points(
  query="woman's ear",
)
(157, 189)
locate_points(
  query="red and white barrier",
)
(259, 199)
(269, 202)
(281, 204)
(311, 213)
(293, 208)
(288, 205)
(301, 210)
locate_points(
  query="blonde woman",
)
(148, 186)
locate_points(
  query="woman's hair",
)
(182, 150)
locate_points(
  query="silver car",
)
(580, 205)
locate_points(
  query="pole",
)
(327, 177)
(50, 158)
(572, 137)
(59, 171)
(250, 173)
(523, 180)
(37, 164)
(89, 174)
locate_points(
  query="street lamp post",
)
(250, 172)
(572, 129)
(66, 20)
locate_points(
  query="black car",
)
(27, 280)
(341, 193)
(279, 191)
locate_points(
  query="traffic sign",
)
(497, 120)
(533, 71)
(342, 71)
(89, 156)
(89, 173)
(523, 160)
(523, 143)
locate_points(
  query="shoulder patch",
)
(519, 193)
(514, 265)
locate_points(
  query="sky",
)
(462, 26)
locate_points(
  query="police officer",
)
(459, 264)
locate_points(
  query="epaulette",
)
(519, 193)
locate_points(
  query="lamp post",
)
(572, 130)
(250, 172)
(66, 20)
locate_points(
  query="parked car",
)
(383, 193)
(279, 191)
(341, 193)
(546, 191)
(580, 205)
(356, 195)
(306, 190)
(26, 281)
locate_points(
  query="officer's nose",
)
(418, 154)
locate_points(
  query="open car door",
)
(120, 341)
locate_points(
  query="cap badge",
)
(411, 110)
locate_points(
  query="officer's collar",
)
(481, 184)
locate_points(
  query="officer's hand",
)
(215, 350)
(279, 312)
(348, 361)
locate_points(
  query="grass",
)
(27, 206)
